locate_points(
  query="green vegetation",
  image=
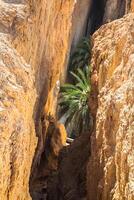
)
(74, 101)
(74, 96)
(81, 56)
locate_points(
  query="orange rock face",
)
(132, 5)
(34, 39)
(17, 133)
(57, 136)
(111, 166)
(17, 100)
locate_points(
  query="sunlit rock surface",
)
(111, 166)
(34, 38)
(17, 100)
(17, 133)
(35, 42)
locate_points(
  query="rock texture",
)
(17, 100)
(54, 142)
(80, 19)
(17, 134)
(116, 9)
(35, 41)
(111, 166)
(69, 181)
(34, 38)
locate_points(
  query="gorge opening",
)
(60, 172)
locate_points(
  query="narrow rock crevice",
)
(69, 181)
(59, 171)
(42, 167)
(115, 9)
(95, 19)
(36, 40)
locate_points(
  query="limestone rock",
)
(69, 183)
(34, 39)
(111, 166)
(55, 140)
(17, 133)
(17, 100)
(132, 5)
(79, 21)
(115, 9)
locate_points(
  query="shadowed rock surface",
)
(69, 182)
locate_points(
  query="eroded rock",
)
(69, 181)
(34, 37)
(55, 140)
(17, 133)
(111, 166)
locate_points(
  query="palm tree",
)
(81, 56)
(74, 101)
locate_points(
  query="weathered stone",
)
(17, 134)
(115, 9)
(35, 41)
(39, 32)
(69, 182)
(55, 140)
(34, 37)
(111, 166)
(79, 21)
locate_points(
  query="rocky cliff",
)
(17, 133)
(17, 100)
(36, 38)
(111, 166)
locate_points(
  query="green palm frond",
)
(82, 55)
(74, 100)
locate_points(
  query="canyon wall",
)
(80, 19)
(104, 11)
(17, 133)
(115, 9)
(17, 101)
(111, 165)
(35, 41)
(34, 37)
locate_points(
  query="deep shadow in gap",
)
(95, 16)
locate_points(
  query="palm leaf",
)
(73, 98)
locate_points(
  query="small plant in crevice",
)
(74, 102)
(81, 56)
